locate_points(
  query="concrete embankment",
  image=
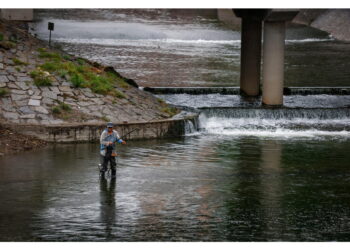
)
(90, 132)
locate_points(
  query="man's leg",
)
(104, 164)
(113, 166)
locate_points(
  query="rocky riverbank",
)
(44, 86)
(13, 142)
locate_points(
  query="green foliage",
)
(170, 110)
(50, 66)
(66, 57)
(77, 80)
(65, 106)
(56, 110)
(1, 37)
(161, 101)
(44, 54)
(62, 72)
(3, 92)
(40, 79)
(19, 62)
(62, 108)
(82, 75)
(18, 68)
(80, 61)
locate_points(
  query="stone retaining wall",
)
(91, 132)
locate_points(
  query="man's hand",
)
(109, 143)
(123, 142)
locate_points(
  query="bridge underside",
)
(273, 23)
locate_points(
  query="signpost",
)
(51, 27)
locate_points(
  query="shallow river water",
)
(198, 188)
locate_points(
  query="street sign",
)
(51, 26)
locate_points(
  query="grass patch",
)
(56, 110)
(161, 101)
(170, 110)
(77, 80)
(83, 75)
(40, 78)
(43, 53)
(62, 109)
(18, 62)
(3, 92)
(65, 106)
(50, 66)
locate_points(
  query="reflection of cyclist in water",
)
(108, 139)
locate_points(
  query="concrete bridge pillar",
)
(273, 55)
(250, 49)
(273, 63)
(250, 56)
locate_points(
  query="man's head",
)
(110, 127)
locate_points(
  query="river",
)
(247, 174)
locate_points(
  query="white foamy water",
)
(284, 128)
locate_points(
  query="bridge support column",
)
(273, 63)
(250, 56)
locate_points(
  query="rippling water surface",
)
(199, 188)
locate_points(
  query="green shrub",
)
(45, 54)
(19, 62)
(170, 110)
(62, 72)
(65, 106)
(40, 79)
(66, 57)
(1, 37)
(50, 66)
(3, 92)
(80, 61)
(77, 80)
(56, 110)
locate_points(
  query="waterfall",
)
(281, 122)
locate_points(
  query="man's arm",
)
(119, 140)
(102, 139)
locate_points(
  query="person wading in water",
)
(108, 139)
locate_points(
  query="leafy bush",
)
(1, 37)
